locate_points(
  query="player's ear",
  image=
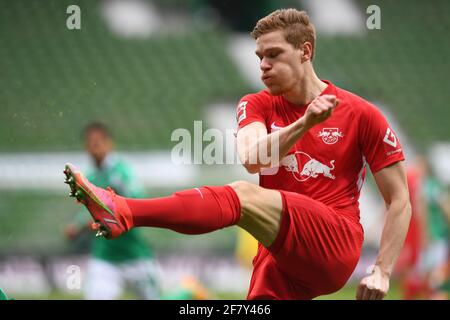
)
(306, 49)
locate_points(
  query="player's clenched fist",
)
(320, 109)
(373, 287)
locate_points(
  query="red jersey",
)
(328, 162)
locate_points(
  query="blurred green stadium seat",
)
(403, 66)
(54, 80)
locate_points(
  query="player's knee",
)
(244, 187)
(245, 191)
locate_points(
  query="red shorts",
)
(315, 252)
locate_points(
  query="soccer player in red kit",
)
(305, 211)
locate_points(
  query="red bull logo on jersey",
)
(330, 135)
(303, 166)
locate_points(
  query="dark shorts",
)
(315, 252)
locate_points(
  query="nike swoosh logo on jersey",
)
(274, 127)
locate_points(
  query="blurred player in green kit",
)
(435, 257)
(126, 262)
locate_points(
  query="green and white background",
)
(147, 68)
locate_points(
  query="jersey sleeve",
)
(379, 143)
(251, 108)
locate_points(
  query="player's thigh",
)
(254, 198)
(103, 281)
(143, 277)
(260, 210)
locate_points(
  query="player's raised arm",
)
(392, 184)
(258, 150)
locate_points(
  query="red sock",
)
(193, 211)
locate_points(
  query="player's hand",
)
(373, 287)
(320, 109)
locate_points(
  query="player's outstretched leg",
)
(194, 211)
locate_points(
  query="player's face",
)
(98, 145)
(280, 62)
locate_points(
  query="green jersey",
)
(437, 223)
(3, 295)
(117, 174)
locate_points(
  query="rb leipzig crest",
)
(330, 135)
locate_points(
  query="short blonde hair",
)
(296, 26)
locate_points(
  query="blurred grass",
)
(347, 293)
